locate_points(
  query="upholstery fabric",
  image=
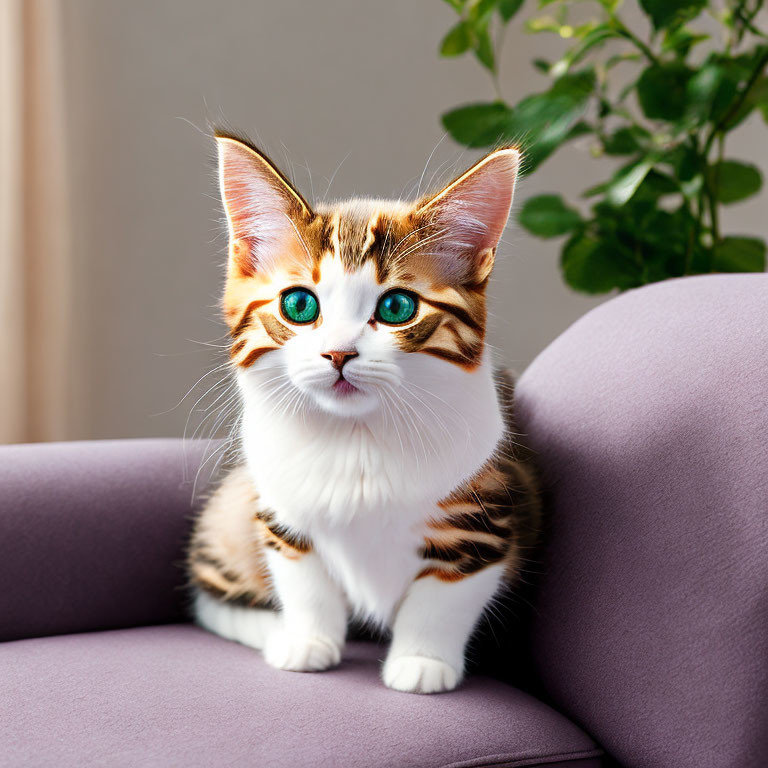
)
(650, 419)
(179, 696)
(92, 534)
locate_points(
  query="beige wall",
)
(315, 82)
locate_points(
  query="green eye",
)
(396, 307)
(299, 305)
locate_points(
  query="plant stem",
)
(496, 58)
(713, 210)
(736, 106)
(746, 18)
(626, 33)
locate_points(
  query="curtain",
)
(36, 351)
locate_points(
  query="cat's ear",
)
(469, 216)
(262, 207)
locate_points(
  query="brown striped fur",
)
(226, 552)
(495, 517)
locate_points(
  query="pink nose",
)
(338, 358)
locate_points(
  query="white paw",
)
(419, 674)
(301, 653)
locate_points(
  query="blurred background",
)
(111, 241)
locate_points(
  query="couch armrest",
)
(650, 418)
(92, 534)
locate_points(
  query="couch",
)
(646, 644)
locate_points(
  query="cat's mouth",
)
(343, 387)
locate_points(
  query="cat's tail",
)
(249, 626)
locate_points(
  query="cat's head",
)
(341, 305)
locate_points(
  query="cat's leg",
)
(432, 626)
(313, 614)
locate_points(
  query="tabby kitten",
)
(381, 479)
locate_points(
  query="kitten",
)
(381, 477)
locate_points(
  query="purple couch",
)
(649, 636)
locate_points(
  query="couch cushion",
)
(650, 418)
(92, 533)
(176, 695)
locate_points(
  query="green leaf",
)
(456, 4)
(542, 24)
(626, 181)
(733, 181)
(594, 266)
(685, 161)
(680, 40)
(664, 243)
(709, 92)
(547, 119)
(457, 41)
(662, 91)
(657, 184)
(672, 13)
(548, 216)
(577, 87)
(478, 125)
(625, 141)
(479, 11)
(597, 189)
(484, 49)
(582, 128)
(756, 98)
(739, 254)
(542, 65)
(508, 8)
(594, 37)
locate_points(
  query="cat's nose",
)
(338, 358)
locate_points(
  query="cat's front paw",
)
(419, 674)
(301, 653)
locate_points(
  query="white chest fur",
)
(363, 490)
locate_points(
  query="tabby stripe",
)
(249, 599)
(451, 357)
(370, 234)
(254, 355)
(245, 319)
(209, 578)
(432, 551)
(275, 329)
(481, 551)
(478, 522)
(417, 335)
(335, 227)
(467, 348)
(230, 593)
(473, 566)
(458, 312)
(441, 574)
(282, 533)
(293, 540)
(236, 348)
(204, 558)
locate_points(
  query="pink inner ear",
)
(258, 209)
(473, 211)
